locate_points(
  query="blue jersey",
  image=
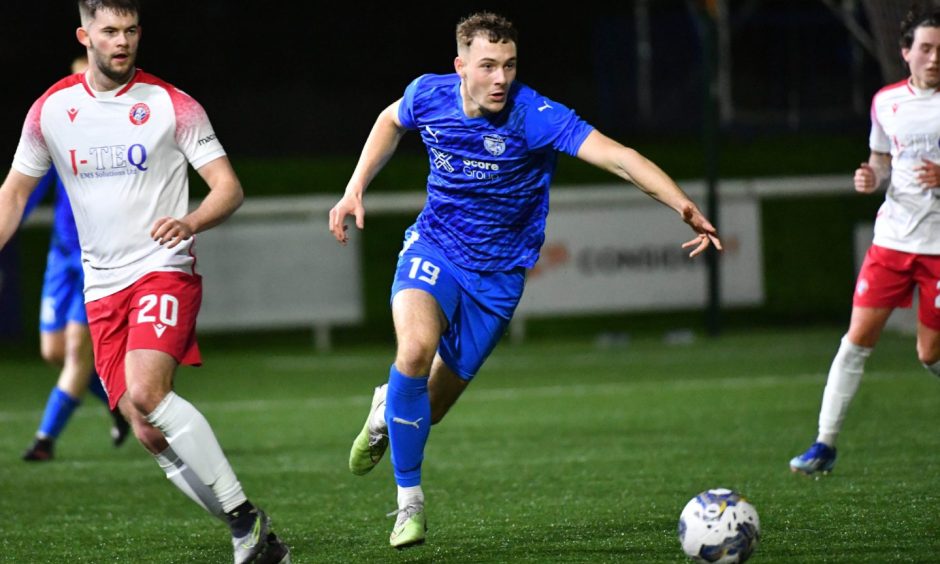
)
(489, 176)
(64, 232)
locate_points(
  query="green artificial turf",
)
(560, 451)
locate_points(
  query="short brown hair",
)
(88, 8)
(493, 27)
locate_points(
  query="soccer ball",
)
(719, 525)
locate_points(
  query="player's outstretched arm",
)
(14, 194)
(607, 154)
(874, 174)
(379, 148)
(225, 196)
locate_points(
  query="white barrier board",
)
(277, 273)
(627, 256)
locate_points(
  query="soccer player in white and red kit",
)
(121, 140)
(905, 152)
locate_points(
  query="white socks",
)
(845, 374)
(186, 480)
(193, 441)
(933, 368)
(412, 495)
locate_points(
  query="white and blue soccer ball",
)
(720, 526)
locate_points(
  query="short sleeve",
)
(32, 156)
(406, 110)
(877, 139)
(194, 133)
(550, 123)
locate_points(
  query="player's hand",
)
(866, 181)
(928, 174)
(707, 234)
(350, 204)
(170, 231)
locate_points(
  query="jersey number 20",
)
(167, 313)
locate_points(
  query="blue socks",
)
(408, 415)
(59, 408)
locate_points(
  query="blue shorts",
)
(63, 297)
(478, 305)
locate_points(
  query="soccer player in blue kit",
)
(64, 336)
(492, 145)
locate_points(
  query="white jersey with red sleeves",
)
(905, 122)
(122, 156)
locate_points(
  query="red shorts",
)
(158, 312)
(888, 277)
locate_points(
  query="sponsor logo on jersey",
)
(109, 160)
(544, 106)
(480, 170)
(73, 113)
(432, 133)
(140, 113)
(495, 144)
(206, 139)
(442, 160)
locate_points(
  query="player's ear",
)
(82, 36)
(459, 65)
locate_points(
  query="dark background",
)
(304, 79)
(293, 89)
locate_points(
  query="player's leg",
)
(192, 451)
(78, 343)
(928, 348)
(419, 323)
(160, 320)
(421, 271)
(845, 374)
(53, 318)
(59, 405)
(444, 389)
(847, 368)
(884, 282)
(927, 274)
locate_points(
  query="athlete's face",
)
(924, 57)
(486, 71)
(112, 40)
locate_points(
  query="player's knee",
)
(77, 356)
(143, 397)
(53, 358)
(414, 359)
(928, 356)
(928, 352)
(52, 354)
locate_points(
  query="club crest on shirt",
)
(140, 113)
(495, 144)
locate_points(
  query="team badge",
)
(140, 113)
(495, 144)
